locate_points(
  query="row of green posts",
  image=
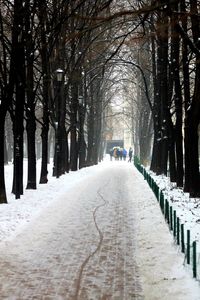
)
(181, 237)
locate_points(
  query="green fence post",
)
(171, 222)
(174, 231)
(194, 247)
(188, 246)
(182, 239)
(153, 185)
(151, 180)
(157, 191)
(167, 211)
(178, 231)
(162, 201)
(148, 178)
(145, 174)
(142, 170)
(161, 194)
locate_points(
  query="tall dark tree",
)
(186, 94)
(192, 118)
(3, 106)
(160, 108)
(44, 52)
(175, 76)
(18, 53)
(30, 94)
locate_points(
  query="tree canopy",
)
(62, 64)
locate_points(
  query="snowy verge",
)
(18, 213)
(187, 210)
(160, 261)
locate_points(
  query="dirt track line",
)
(78, 285)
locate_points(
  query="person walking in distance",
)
(124, 153)
(130, 154)
(111, 153)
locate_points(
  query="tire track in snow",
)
(78, 285)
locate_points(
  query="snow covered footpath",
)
(159, 261)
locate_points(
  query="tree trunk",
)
(90, 126)
(186, 86)
(175, 61)
(5, 151)
(3, 198)
(81, 141)
(30, 110)
(172, 161)
(193, 116)
(45, 91)
(162, 74)
(73, 123)
(44, 136)
(19, 70)
(155, 150)
(73, 149)
(31, 127)
(191, 140)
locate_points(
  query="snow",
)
(115, 219)
(17, 213)
(187, 209)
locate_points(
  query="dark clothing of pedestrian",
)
(124, 153)
(111, 154)
(130, 154)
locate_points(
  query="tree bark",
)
(3, 197)
(45, 90)
(192, 118)
(73, 125)
(19, 71)
(30, 109)
(186, 87)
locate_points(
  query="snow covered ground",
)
(187, 209)
(90, 199)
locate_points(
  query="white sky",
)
(98, 232)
